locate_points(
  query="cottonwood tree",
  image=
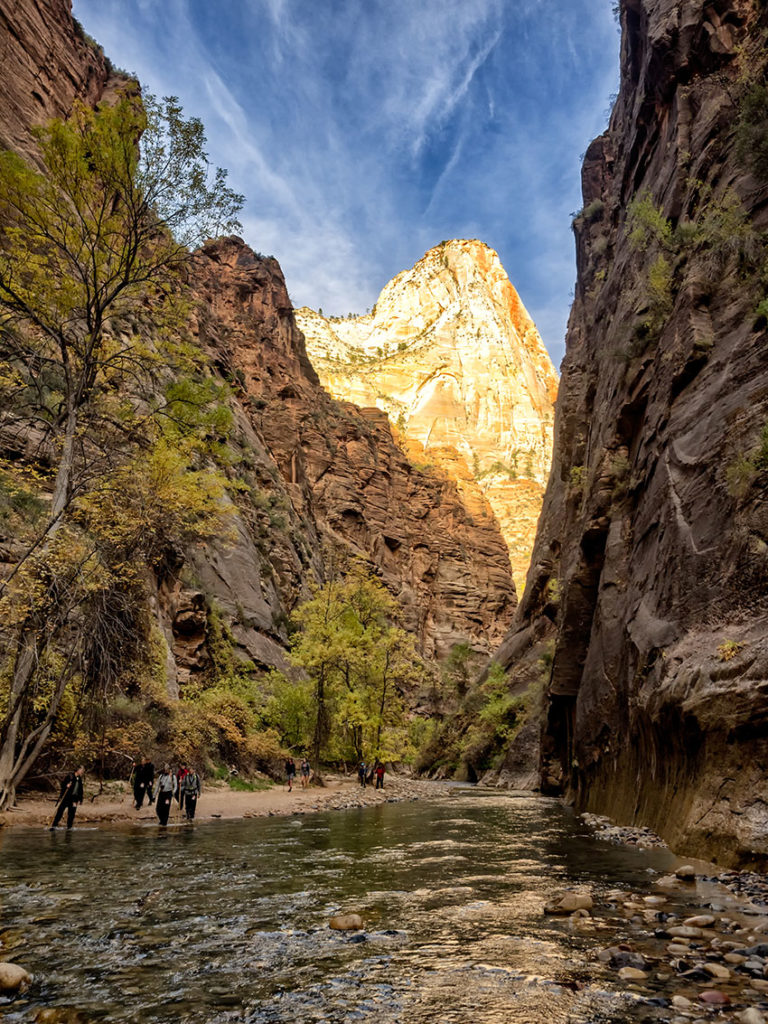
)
(96, 379)
(358, 662)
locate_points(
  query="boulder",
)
(568, 902)
(14, 978)
(347, 923)
(686, 873)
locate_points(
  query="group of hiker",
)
(182, 783)
(305, 770)
(367, 773)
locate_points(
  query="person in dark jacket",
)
(164, 793)
(70, 795)
(190, 791)
(143, 781)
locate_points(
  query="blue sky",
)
(363, 132)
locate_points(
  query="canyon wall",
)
(450, 353)
(650, 568)
(314, 477)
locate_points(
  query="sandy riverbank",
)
(115, 804)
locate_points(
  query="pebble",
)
(734, 958)
(632, 974)
(13, 978)
(686, 873)
(685, 931)
(713, 997)
(717, 971)
(751, 1016)
(681, 1003)
(700, 921)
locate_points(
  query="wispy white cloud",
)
(362, 134)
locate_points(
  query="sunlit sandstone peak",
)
(451, 354)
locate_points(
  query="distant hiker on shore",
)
(70, 795)
(379, 772)
(306, 772)
(361, 772)
(190, 791)
(290, 772)
(164, 792)
(143, 780)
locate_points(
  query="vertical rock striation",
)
(652, 554)
(451, 354)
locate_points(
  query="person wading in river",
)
(166, 787)
(143, 781)
(70, 795)
(190, 791)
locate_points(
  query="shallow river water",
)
(228, 921)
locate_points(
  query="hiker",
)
(379, 772)
(181, 774)
(306, 771)
(290, 772)
(143, 780)
(361, 769)
(70, 795)
(190, 791)
(164, 792)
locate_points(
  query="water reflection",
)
(228, 921)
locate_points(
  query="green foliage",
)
(92, 309)
(743, 471)
(647, 224)
(576, 478)
(356, 664)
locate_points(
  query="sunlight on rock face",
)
(450, 353)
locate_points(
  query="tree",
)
(95, 371)
(359, 663)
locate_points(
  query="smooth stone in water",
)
(632, 974)
(684, 931)
(347, 923)
(686, 873)
(713, 997)
(13, 978)
(681, 1003)
(567, 903)
(751, 1016)
(700, 921)
(717, 971)
(734, 958)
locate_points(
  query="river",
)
(228, 921)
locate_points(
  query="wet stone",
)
(713, 997)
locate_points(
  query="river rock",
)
(734, 958)
(632, 974)
(758, 984)
(717, 971)
(699, 921)
(683, 931)
(713, 997)
(686, 873)
(568, 902)
(13, 978)
(347, 923)
(681, 1003)
(751, 1016)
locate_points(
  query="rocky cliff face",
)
(47, 63)
(343, 476)
(651, 561)
(450, 353)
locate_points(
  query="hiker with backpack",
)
(164, 793)
(190, 791)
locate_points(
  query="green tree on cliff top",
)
(93, 251)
